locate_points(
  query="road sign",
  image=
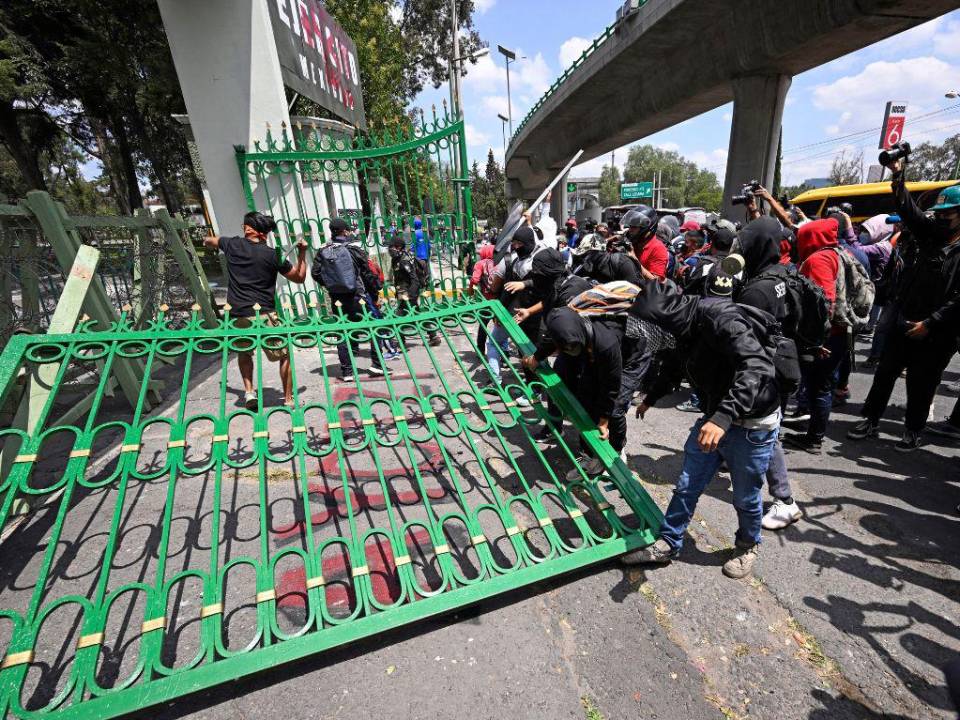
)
(893, 121)
(635, 191)
(571, 187)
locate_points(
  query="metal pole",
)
(509, 105)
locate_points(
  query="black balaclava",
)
(547, 267)
(663, 305)
(759, 245)
(568, 330)
(527, 239)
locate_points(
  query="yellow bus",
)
(868, 199)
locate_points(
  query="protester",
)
(570, 230)
(768, 287)
(594, 347)
(735, 378)
(926, 305)
(640, 226)
(252, 270)
(482, 281)
(343, 268)
(508, 281)
(409, 279)
(820, 262)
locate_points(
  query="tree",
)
(609, 186)
(399, 51)
(935, 162)
(847, 170)
(684, 184)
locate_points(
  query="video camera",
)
(747, 193)
(900, 151)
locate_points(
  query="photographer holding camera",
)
(926, 307)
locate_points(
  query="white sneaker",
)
(250, 400)
(590, 465)
(781, 514)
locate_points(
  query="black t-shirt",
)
(252, 269)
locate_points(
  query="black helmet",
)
(643, 217)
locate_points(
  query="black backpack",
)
(334, 269)
(808, 312)
(782, 349)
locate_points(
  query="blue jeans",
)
(497, 340)
(819, 377)
(747, 453)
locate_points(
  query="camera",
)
(746, 193)
(896, 152)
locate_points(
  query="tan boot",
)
(741, 564)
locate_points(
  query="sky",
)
(823, 108)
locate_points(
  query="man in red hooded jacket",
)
(817, 247)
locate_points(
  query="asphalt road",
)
(852, 613)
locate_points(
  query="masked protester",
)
(252, 270)
(925, 313)
(510, 280)
(408, 279)
(734, 376)
(765, 287)
(594, 362)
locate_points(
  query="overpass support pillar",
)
(754, 134)
(558, 202)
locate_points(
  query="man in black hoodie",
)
(593, 349)
(734, 376)
(765, 287)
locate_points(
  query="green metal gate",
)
(383, 181)
(176, 549)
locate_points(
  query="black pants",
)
(350, 306)
(924, 360)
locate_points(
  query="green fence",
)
(174, 550)
(383, 181)
(145, 261)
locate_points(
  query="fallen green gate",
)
(201, 542)
(384, 181)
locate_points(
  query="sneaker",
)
(390, 355)
(954, 387)
(944, 428)
(660, 553)
(798, 416)
(688, 406)
(250, 400)
(780, 515)
(435, 340)
(545, 436)
(864, 429)
(871, 362)
(590, 465)
(909, 442)
(623, 456)
(742, 562)
(523, 401)
(806, 443)
(347, 377)
(375, 370)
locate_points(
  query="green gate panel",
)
(192, 544)
(306, 174)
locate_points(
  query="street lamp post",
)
(510, 56)
(503, 128)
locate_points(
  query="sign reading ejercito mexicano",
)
(317, 58)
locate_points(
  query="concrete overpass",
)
(671, 60)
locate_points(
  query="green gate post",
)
(98, 305)
(37, 391)
(191, 271)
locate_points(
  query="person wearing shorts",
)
(252, 270)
